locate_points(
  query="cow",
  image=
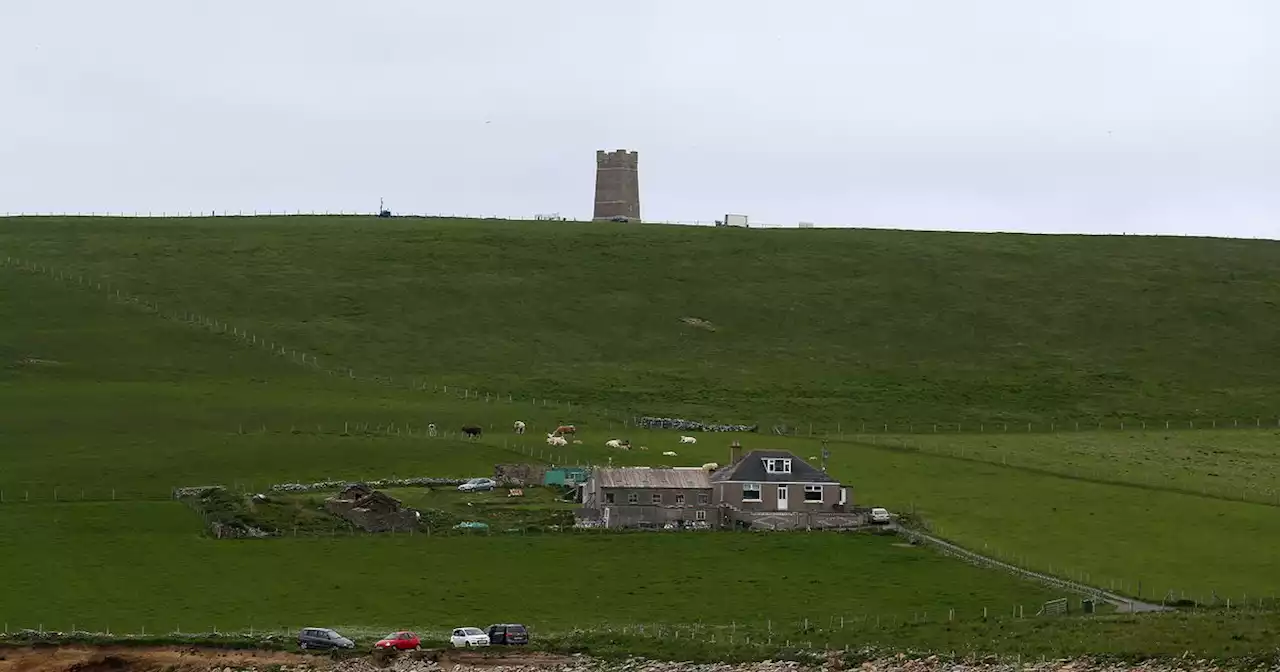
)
(565, 429)
(519, 426)
(615, 443)
(688, 439)
(472, 431)
(553, 440)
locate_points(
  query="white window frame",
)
(704, 498)
(813, 488)
(679, 499)
(655, 498)
(699, 515)
(777, 465)
(633, 498)
(758, 490)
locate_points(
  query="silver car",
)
(478, 485)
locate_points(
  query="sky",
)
(1085, 116)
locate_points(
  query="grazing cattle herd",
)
(559, 437)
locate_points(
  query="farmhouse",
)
(774, 489)
(648, 498)
(764, 489)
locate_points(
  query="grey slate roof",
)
(751, 470)
(690, 479)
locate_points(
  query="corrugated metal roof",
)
(653, 478)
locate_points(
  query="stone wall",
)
(796, 520)
(524, 475)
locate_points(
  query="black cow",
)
(471, 431)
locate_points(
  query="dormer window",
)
(777, 465)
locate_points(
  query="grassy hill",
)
(105, 398)
(818, 326)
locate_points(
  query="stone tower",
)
(617, 185)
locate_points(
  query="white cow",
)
(557, 441)
(669, 453)
(613, 443)
(519, 426)
(688, 439)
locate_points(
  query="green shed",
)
(565, 476)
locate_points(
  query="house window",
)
(704, 498)
(633, 498)
(751, 492)
(657, 498)
(608, 498)
(813, 493)
(777, 465)
(680, 500)
(699, 515)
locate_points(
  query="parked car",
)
(879, 516)
(402, 640)
(508, 634)
(478, 485)
(463, 637)
(323, 638)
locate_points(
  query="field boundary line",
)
(1123, 603)
(220, 326)
(627, 417)
(1043, 471)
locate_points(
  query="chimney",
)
(735, 453)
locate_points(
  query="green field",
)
(105, 398)
(1237, 464)
(101, 556)
(810, 326)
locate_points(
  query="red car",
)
(400, 641)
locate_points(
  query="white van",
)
(879, 516)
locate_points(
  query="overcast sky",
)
(1134, 116)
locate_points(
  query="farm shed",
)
(642, 497)
(566, 476)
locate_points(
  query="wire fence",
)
(292, 353)
(209, 214)
(625, 417)
(828, 631)
(1262, 489)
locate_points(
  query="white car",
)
(464, 637)
(879, 516)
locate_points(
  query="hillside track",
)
(1122, 603)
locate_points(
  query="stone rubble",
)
(898, 663)
(691, 425)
